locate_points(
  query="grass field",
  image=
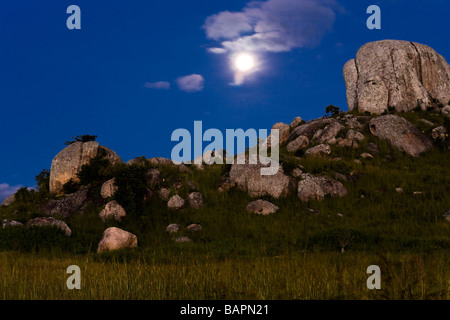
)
(309, 276)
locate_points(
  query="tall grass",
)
(310, 276)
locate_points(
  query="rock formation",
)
(50, 222)
(248, 178)
(401, 134)
(71, 204)
(399, 74)
(316, 188)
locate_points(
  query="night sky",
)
(139, 69)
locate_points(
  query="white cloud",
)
(160, 85)
(226, 25)
(6, 190)
(191, 83)
(273, 25)
(217, 50)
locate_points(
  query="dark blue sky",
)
(57, 83)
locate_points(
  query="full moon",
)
(244, 62)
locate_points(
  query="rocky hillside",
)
(379, 172)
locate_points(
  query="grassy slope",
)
(292, 254)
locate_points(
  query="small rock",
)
(439, 133)
(447, 215)
(194, 227)
(357, 161)
(7, 223)
(113, 210)
(399, 190)
(311, 211)
(347, 143)
(195, 200)
(114, 238)
(262, 207)
(320, 150)
(173, 228)
(366, 155)
(108, 189)
(340, 176)
(176, 202)
(296, 122)
(297, 173)
(153, 177)
(340, 215)
(182, 239)
(191, 185)
(354, 135)
(164, 193)
(426, 122)
(417, 193)
(372, 148)
(446, 111)
(299, 143)
(177, 185)
(226, 183)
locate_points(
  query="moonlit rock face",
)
(68, 163)
(400, 74)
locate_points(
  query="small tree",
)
(83, 138)
(333, 110)
(43, 181)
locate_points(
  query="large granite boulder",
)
(71, 204)
(400, 74)
(68, 163)
(400, 133)
(317, 187)
(114, 238)
(248, 178)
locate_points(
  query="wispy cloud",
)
(160, 85)
(272, 25)
(191, 83)
(6, 190)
